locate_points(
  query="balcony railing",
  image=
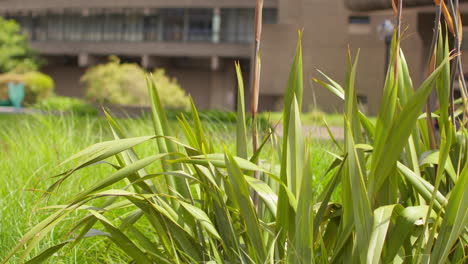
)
(233, 25)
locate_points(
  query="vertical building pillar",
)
(186, 29)
(83, 60)
(145, 61)
(34, 26)
(160, 27)
(214, 63)
(216, 25)
(148, 61)
(223, 85)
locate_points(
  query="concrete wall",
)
(371, 71)
(382, 4)
(327, 35)
(67, 79)
(324, 44)
(209, 89)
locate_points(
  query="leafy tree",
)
(15, 53)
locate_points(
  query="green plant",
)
(403, 200)
(170, 92)
(124, 83)
(67, 104)
(39, 86)
(15, 53)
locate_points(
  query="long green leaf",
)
(382, 219)
(294, 89)
(241, 129)
(250, 219)
(201, 216)
(389, 150)
(455, 220)
(123, 241)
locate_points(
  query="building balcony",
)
(223, 32)
(163, 49)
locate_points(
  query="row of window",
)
(177, 25)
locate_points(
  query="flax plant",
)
(402, 200)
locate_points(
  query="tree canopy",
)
(15, 53)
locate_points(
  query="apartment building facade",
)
(331, 27)
(197, 41)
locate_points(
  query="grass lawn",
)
(31, 147)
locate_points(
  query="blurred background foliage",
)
(125, 84)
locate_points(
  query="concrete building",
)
(197, 41)
(330, 27)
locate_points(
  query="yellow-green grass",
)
(32, 146)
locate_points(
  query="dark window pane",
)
(173, 24)
(359, 20)
(200, 24)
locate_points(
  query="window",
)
(132, 28)
(270, 16)
(200, 24)
(173, 24)
(152, 27)
(112, 27)
(72, 27)
(55, 27)
(237, 25)
(359, 25)
(362, 20)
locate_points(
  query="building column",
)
(216, 25)
(148, 61)
(223, 87)
(215, 63)
(85, 60)
(160, 28)
(185, 30)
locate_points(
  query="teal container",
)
(16, 94)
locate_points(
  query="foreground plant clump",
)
(403, 193)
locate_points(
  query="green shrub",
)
(172, 95)
(39, 87)
(125, 84)
(67, 104)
